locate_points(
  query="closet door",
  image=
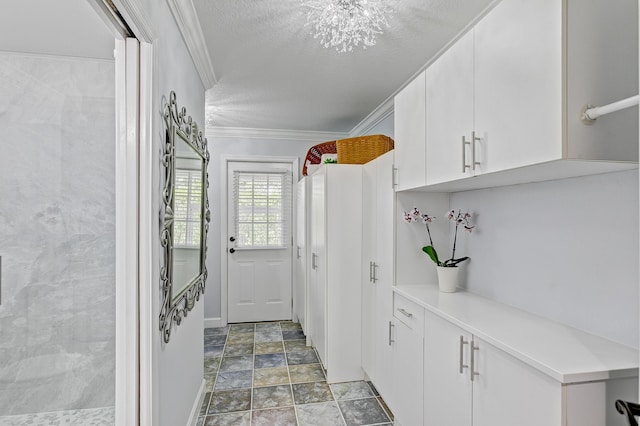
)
(318, 285)
(369, 260)
(384, 270)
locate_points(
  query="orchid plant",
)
(459, 219)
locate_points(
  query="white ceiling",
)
(272, 74)
(66, 28)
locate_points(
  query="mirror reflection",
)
(187, 221)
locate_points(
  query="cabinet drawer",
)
(409, 313)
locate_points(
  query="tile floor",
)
(264, 374)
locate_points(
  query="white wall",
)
(236, 146)
(178, 369)
(564, 249)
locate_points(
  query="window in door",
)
(262, 203)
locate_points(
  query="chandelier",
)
(345, 24)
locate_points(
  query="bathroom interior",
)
(57, 216)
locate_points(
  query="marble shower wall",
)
(57, 233)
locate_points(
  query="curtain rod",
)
(590, 113)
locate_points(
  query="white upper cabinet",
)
(410, 134)
(503, 103)
(518, 84)
(449, 83)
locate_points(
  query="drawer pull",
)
(405, 313)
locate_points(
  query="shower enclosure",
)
(57, 238)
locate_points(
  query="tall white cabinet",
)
(334, 277)
(377, 276)
(302, 248)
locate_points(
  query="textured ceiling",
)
(273, 74)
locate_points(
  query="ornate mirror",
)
(185, 217)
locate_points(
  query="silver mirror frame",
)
(176, 307)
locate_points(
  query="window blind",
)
(187, 208)
(262, 209)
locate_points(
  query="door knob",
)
(232, 250)
(232, 239)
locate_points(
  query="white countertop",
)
(566, 354)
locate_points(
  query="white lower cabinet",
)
(504, 391)
(407, 342)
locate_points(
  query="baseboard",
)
(195, 410)
(214, 322)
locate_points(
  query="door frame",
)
(135, 388)
(224, 208)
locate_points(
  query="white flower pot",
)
(448, 278)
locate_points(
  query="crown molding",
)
(383, 111)
(137, 18)
(184, 12)
(248, 133)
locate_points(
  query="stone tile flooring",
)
(264, 374)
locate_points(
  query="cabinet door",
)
(385, 231)
(449, 82)
(447, 385)
(300, 278)
(369, 238)
(518, 84)
(508, 392)
(410, 134)
(318, 286)
(407, 375)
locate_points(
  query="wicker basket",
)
(315, 154)
(362, 149)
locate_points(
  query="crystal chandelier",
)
(345, 24)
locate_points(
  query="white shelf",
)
(566, 354)
(552, 170)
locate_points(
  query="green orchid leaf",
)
(432, 254)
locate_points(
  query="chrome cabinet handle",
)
(313, 261)
(391, 325)
(394, 174)
(298, 253)
(474, 348)
(474, 139)
(405, 313)
(370, 271)
(465, 166)
(374, 278)
(462, 365)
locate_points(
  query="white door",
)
(317, 276)
(259, 242)
(369, 239)
(385, 232)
